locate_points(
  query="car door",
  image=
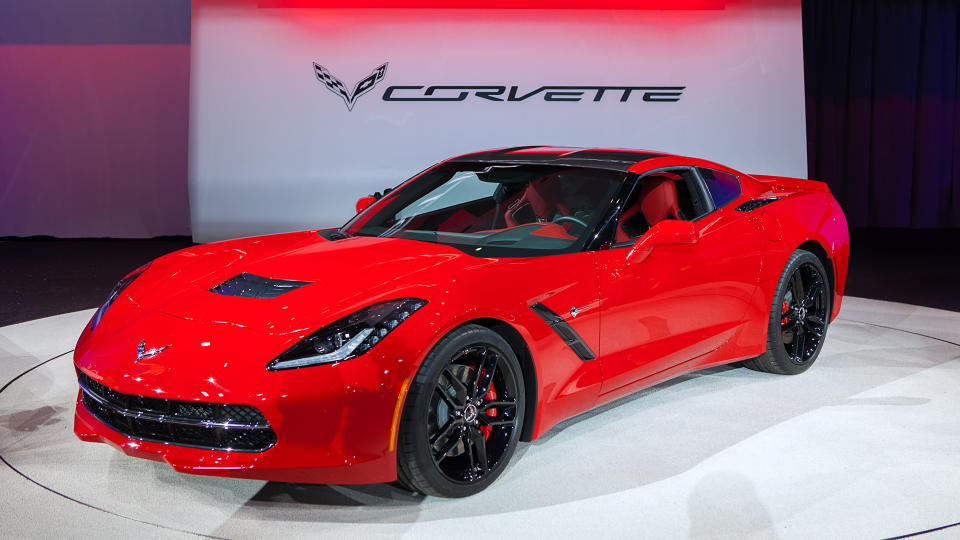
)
(676, 292)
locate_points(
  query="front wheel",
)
(463, 415)
(799, 317)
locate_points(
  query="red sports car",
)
(473, 307)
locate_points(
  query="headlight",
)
(348, 337)
(117, 289)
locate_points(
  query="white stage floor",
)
(866, 444)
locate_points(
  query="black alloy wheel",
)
(799, 317)
(804, 314)
(462, 419)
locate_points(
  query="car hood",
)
(344, 276)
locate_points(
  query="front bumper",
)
(281, 463)
(334, 423)
(344, 439)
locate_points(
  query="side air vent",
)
(565, 331)
(251, 286)
(755, 203)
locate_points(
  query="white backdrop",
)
(272, 149)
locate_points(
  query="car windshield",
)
(495, 209)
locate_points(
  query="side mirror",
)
(666, 232)
(364, 202)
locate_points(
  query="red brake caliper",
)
(783, 312)
(491, 395)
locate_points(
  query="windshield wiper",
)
(333, 234)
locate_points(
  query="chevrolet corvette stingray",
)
(472, 307)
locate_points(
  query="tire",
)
(463, 415)
(791, 328)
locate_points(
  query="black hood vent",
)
(251, 286)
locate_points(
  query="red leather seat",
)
(657, 201)
(543, 196)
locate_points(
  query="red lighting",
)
(501, 4)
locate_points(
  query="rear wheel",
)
(462, 418)
(799, 317)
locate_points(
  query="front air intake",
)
(217, 426)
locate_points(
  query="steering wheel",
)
(575, 221)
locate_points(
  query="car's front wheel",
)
(463, 414)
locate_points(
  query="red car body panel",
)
(647, 316)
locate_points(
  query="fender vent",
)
(755, 203)
(251, 286)
(565, 331)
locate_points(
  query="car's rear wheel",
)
(462, 418)
(799, 317)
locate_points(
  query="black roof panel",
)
(618, 160)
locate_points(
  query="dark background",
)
(883, 129)
(883, 122)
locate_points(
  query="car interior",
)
(563, 202)
(667, 194)
(542, 206)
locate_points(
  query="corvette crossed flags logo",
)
(144, 352)
(336, 86)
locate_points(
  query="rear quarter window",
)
(724, 187)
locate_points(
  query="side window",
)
(690, 197)
(724, 187)
(664, 194)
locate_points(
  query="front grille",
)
(217, 426)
